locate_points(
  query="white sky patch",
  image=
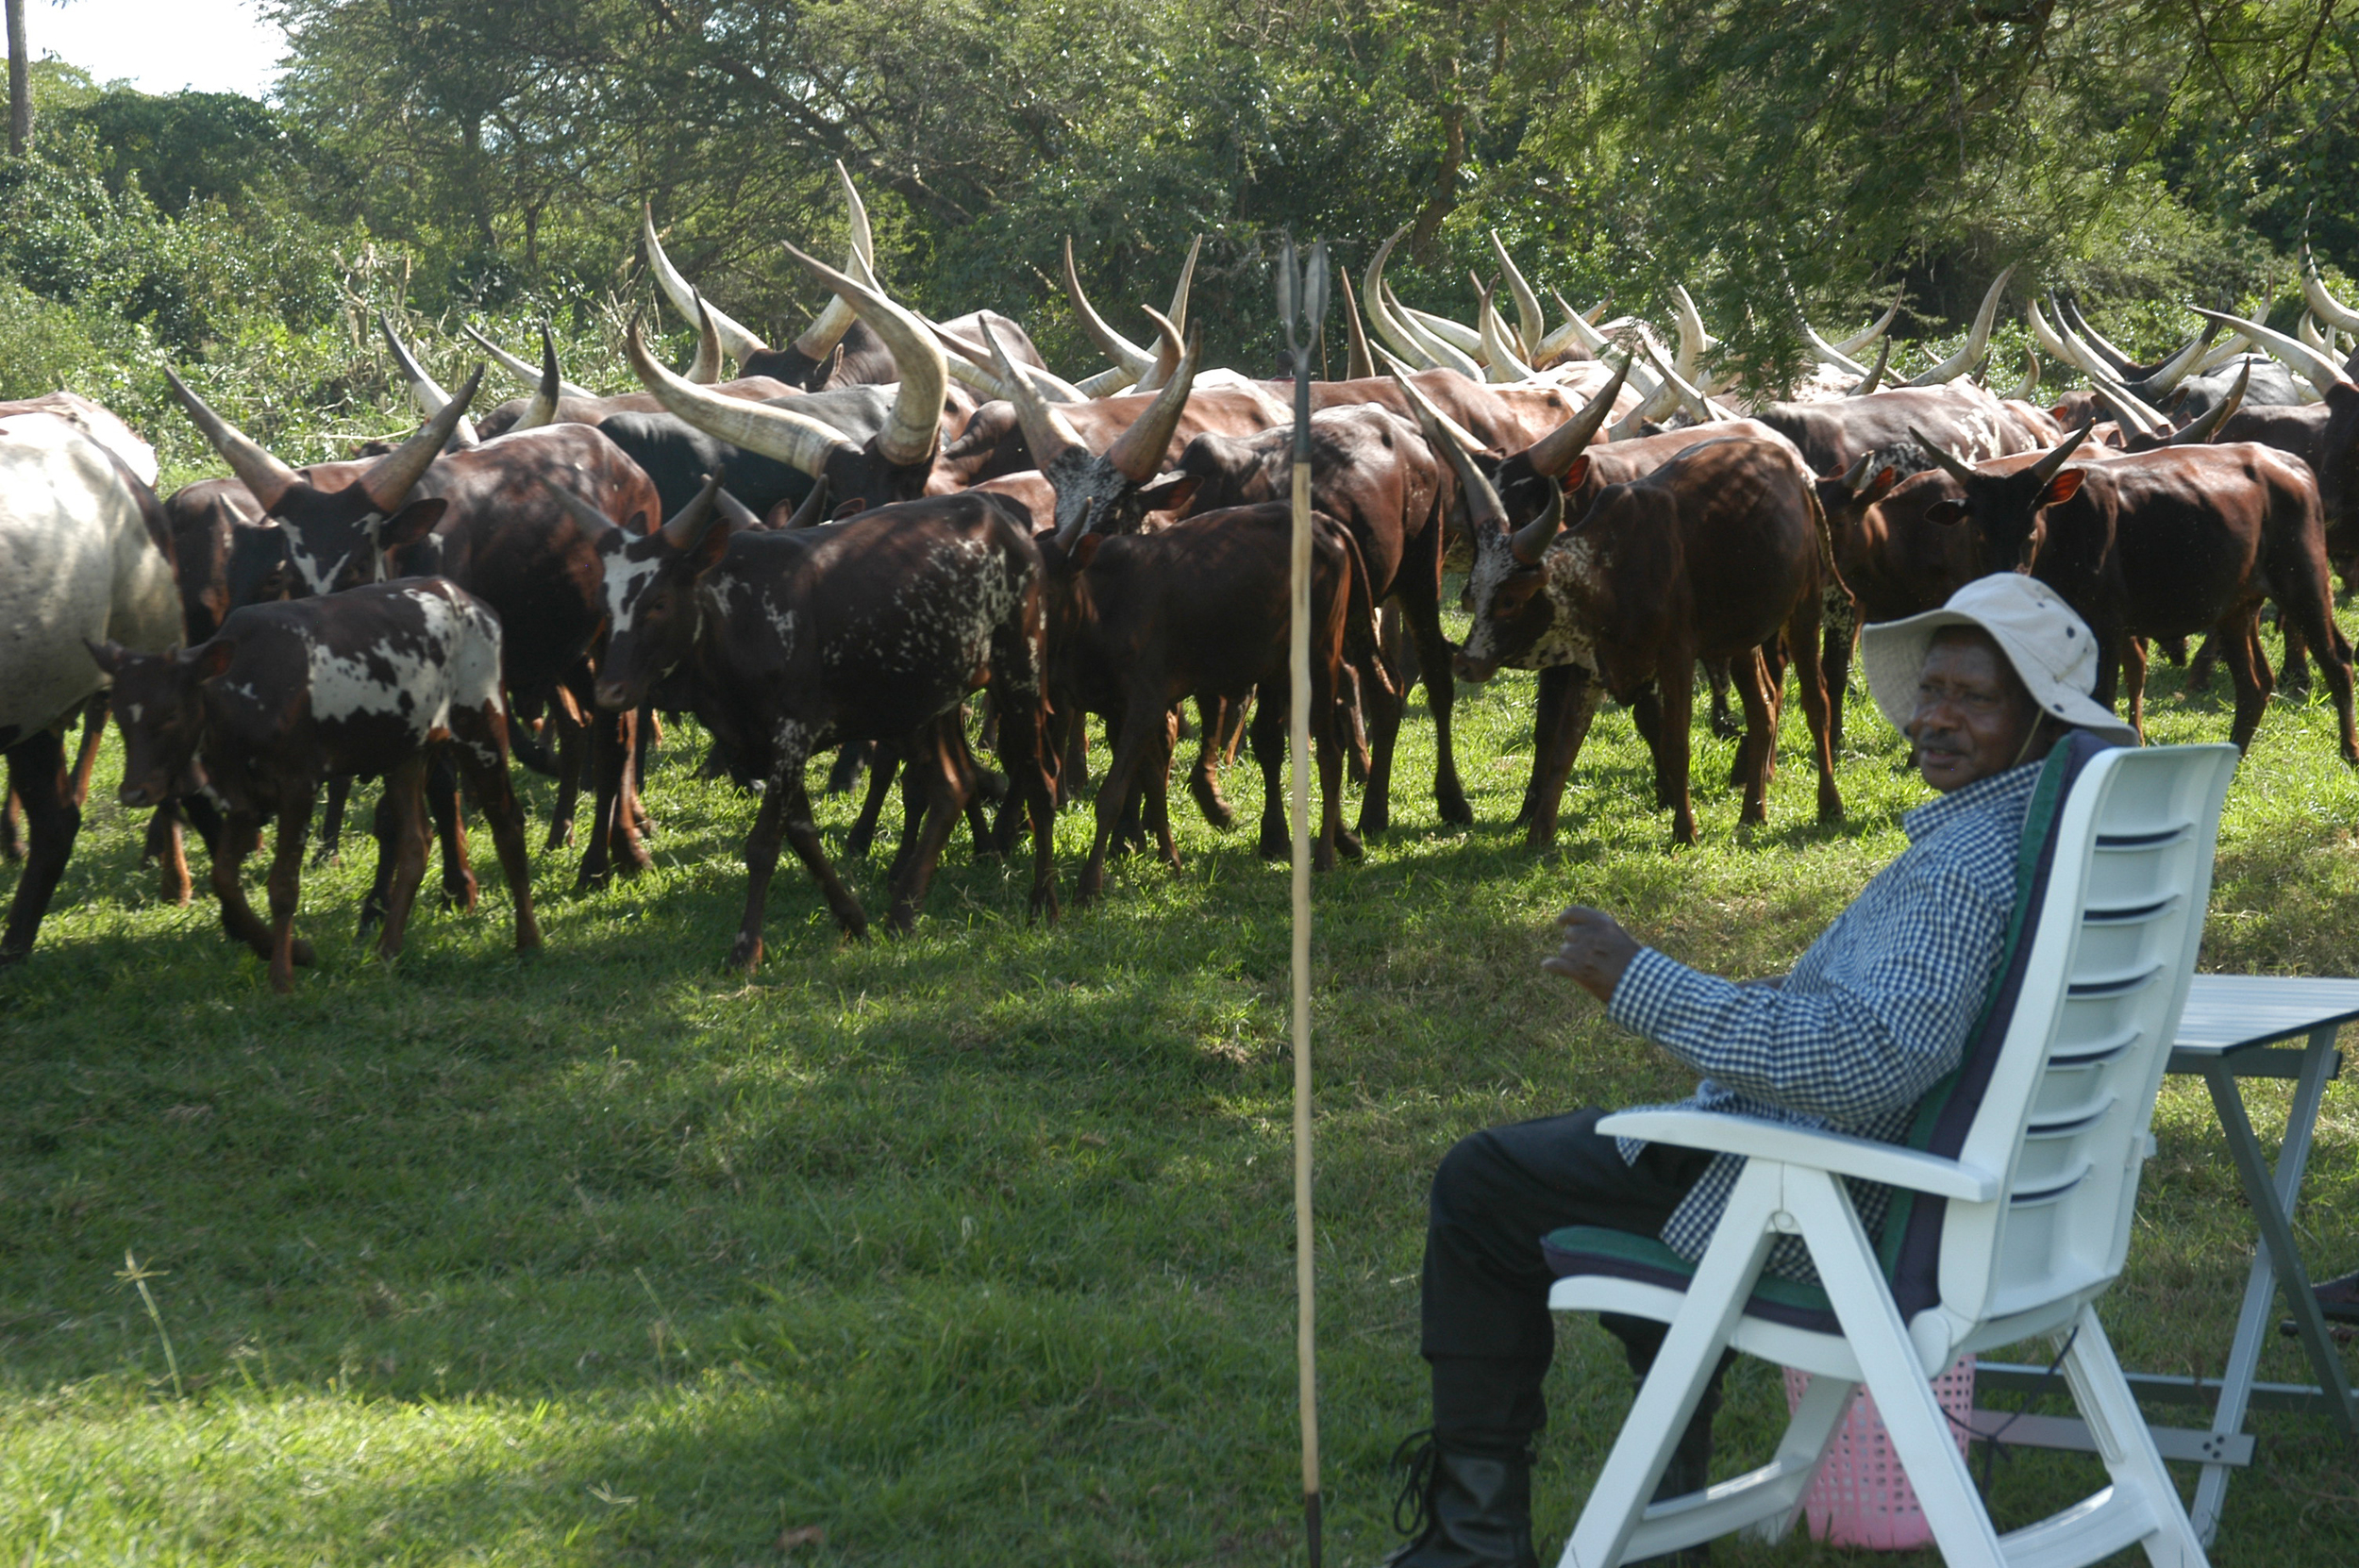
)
(163, 45)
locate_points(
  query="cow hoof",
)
(898, 922)
(1216, 810)
(1348, 844)
(1275, 845)
(560, 834)
(460, 896)
(1454, 807)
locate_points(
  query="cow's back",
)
(77, 560)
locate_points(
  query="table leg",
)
(2276, 1263)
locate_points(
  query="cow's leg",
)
(1022, 752)
(166, 848)
(1134, 733)
(761, 860)
(330, 849)
(1130, 830)
(946, 784)
(1725, 724)
(2134, 660)
(850, 757)
(286, 888)
(94, 714)
(649, 736)
(1421, 608)
(629, 852)
(883, 762)
(1820, 703)
(1750, 674)
(1269, 750)
(450, 832)
(1646, 715)
(487, 776)
(804, 836)
(1575, 705)
(37, 772)
(609, 757)
(1073, 767)
(2305, 610)
(1204, 778)
(12, 828)
(405, 796)
(1326, 756)
(1556, 682)
(1839, 635)
(1382, 715)
(2241, 650)
(1155, 804)
(2293, 675)
(571, 741)
(2199, 668)
(1674, 691)
(238, 838)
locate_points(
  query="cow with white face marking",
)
(84, 553)
(369, 681)
(785, 643)
(490, 519)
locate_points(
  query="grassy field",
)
(969, 1247)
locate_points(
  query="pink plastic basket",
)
(1860, 1497)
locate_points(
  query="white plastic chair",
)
(2021, 1223)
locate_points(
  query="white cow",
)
(83, 555)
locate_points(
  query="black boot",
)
(1466, 1509)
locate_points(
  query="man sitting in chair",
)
(1871, 1019)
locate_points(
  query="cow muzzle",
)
(615, 695)
(1472, 668)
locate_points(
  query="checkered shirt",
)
(1874, 1015)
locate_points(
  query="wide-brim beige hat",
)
(2051, 648)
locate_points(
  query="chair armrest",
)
(1862, 1157)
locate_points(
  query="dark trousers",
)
(1487, 1331)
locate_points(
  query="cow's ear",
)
(1880, 486)
(107, 655)
(211, 660)
(1170, 493)
(1085, 550)
(2064, 486)
(1575, 473)
(411, 524)
(853, 508)
(706, 552)
(1945, 512)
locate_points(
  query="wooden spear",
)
(1302, 305)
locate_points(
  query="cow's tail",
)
(1362, 645)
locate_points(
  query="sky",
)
(160, 45)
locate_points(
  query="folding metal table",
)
(2237, 1027)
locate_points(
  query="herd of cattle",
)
(866, 531)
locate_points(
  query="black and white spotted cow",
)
(84, 553)
(370, 681)
(786, 643)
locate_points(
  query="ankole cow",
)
(84, 554)
(285, 696)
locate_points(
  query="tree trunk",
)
(20, 83)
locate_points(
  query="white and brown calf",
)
(370, 681)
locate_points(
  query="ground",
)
(967, 1247)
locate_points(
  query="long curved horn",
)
(1178, 312)
(1695, 342)
(984, 384)
(1390, 329)
(2045, 469)
(855, 216)
(2174, 370)
(735, 337)
(1875, 375)
(2310, 331)
(425, 392)
(1169, 352)
(2028, 389)
(687, 525)
(2299, 356)
(1859, 342)
(2069, 314)
(265, 476)
(835, 318)
(813, 510)
(1530, 542)
(1423, 408)
(1486, 513)
(1464, 339)
(2329, 310)
(1445, 355)
(1110, 382)
(913, 430)
(1505, 365)
(523, 371)
(1976, 340)
(1361, 365)
(2197, 432)
(2050, 341)
(1051, 386)
(2134, 424)
(1138, 455)
(1946, 463)
(1054, 442)
(2070, 344)
(1553, 453)
(543, 408)
(1556, 341)
(774, 432)
(1121, 350)
(1856, 478)
(1531, 325)
(705, 369)
(388, 480)
(1825, 352)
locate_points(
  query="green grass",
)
(968, 1247)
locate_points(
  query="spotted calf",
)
(370, 681)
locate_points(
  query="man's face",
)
(1972, 715)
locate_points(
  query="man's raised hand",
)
(1593, 952)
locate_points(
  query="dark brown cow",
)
(2298, 432)
(366, 681)
(2164, 545)
(1373, 472)
(1710, 555)
(785, 643)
